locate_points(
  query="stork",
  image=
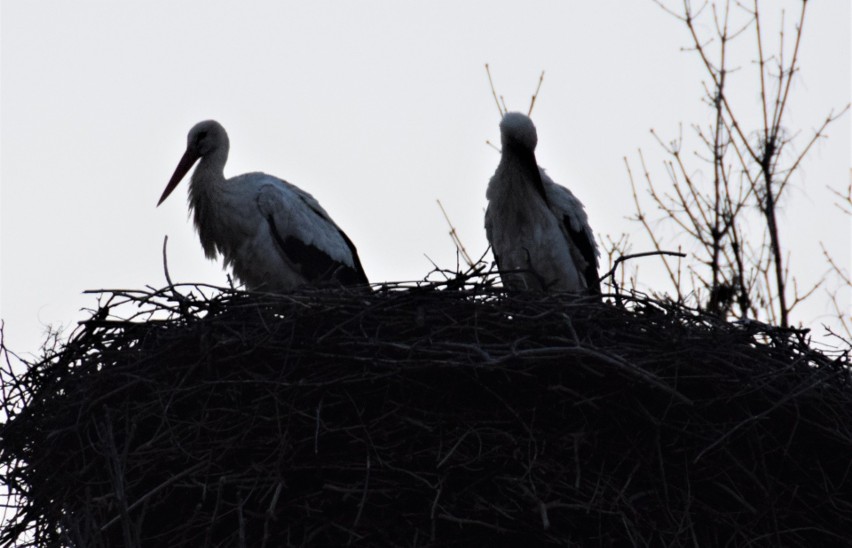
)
(274, 235)
(538, 230)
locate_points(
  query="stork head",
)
(204, 139)
(518, 132)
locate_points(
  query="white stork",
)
(538, 230)
(274, 235)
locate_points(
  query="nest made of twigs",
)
(425, 415)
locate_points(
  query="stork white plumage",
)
(538, 230)
(274, 235)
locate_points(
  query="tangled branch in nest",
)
(425, 416)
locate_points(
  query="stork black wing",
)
(496, 259)
(359, 276)
(587, 250)
(316, 264)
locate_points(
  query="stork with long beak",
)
(274, 236)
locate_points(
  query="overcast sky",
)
(377, 108)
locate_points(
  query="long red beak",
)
(186, 162)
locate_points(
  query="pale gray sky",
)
(378, 108)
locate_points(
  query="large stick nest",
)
(425, 416)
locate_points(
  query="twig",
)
(455, 237)
(535, 95)
(166, 261)
(494, 91)
(637, 255)
(153, 492)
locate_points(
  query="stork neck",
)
(206, 189)
(521, 171)
(210, 171)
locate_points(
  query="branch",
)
(494, 91)
(535, 95)
(636, 256)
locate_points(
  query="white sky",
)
(377, 108)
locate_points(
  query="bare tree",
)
(748, 170)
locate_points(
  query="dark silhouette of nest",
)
(425, 415)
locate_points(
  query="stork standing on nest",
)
(538, 230)
(274, 235)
